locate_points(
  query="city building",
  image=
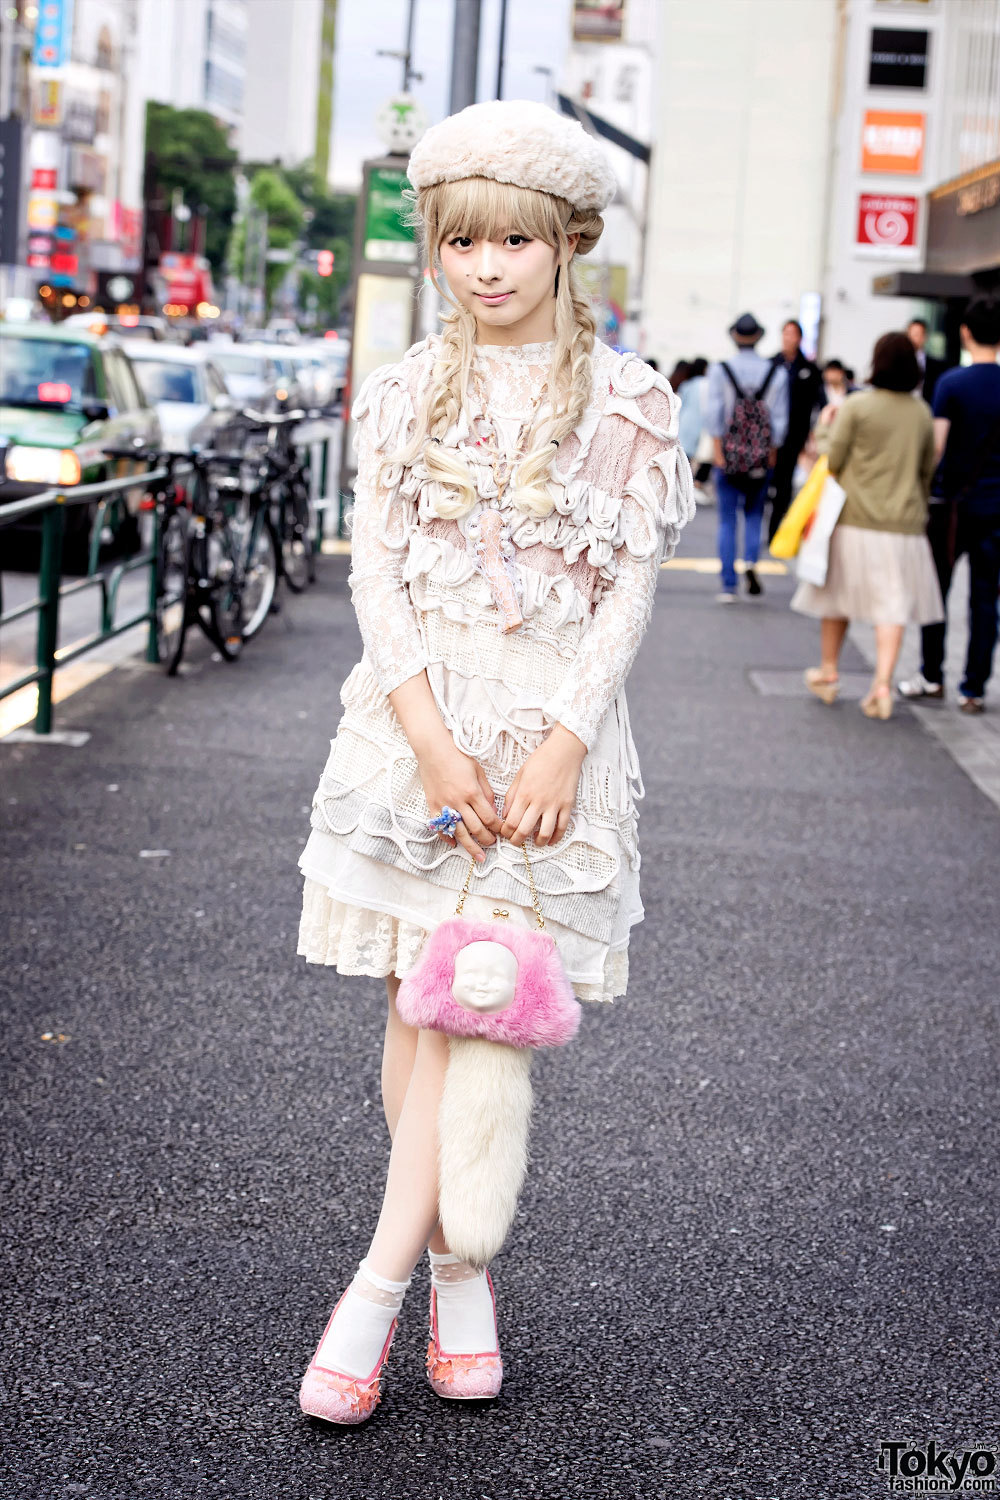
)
(607, 81)
(192, 54)
(961, 239)
(83, 169)
(890, 146)
(289, 77)
(741, 132)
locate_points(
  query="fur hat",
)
(520, 142)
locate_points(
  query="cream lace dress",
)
(377, 880)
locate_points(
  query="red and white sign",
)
(889, 223)
(43, 179)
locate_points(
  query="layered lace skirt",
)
(377, 880)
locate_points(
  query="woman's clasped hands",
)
(538, 804)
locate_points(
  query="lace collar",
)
(517, 354)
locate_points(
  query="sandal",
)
(877, 703)
(826, 688)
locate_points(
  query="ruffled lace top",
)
(624, 492)
(585, 575)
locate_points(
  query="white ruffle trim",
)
(587, 521)
(357, 940)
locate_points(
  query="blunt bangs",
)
(487, 210)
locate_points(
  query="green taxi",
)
(65, 396)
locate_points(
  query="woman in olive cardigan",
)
(881, 570)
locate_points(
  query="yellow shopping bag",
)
(788, 537)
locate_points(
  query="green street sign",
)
(386, 236)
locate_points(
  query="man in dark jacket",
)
(931, 369)
(805, 398)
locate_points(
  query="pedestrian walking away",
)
(518, 486)
(747, 417)
(881, 449)
(805, 399)
(965, 507)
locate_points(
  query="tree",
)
(188, 149)
(271, 196)
(299, 206)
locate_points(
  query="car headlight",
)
(43, 465)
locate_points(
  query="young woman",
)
(881, 570)
(518, 486)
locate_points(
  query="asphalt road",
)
(760, 1233)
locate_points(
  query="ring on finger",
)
(446, 822)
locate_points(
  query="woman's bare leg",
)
(831, 639)
(398, 1056)
(410, 1204)
(398, 1053)
(888, 644)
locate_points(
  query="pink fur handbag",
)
(498, 992)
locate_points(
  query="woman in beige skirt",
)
(881, 571)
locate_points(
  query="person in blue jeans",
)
(965, 505)
(749, 370)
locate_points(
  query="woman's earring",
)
(556, 291)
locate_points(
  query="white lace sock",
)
(355, 1338)
(466, 1323)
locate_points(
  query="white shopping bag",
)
(813, 557)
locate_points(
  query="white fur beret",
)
(517, 141)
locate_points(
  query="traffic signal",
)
(324, 262)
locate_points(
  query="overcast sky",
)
(537, 33)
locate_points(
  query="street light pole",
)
(406, 56)
(502, 47)
(464, 54)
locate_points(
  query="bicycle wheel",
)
(173, 610)
(296, 547)
(260, 575)
(218, 599)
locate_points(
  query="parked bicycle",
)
(275, 468)
(216, 557)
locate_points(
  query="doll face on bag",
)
(485, 977)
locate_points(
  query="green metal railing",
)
(52, 505)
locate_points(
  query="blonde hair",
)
(484, 209)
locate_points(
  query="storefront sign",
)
(963, 223)
(898, 59)
(47, 102)
(893, 141)
(888, 223)
(43, 212)
(80, 118)
(598, 20)
(43, 179)
(53, 33)
(978, 196)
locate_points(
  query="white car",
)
(187, 389)
(252, 372)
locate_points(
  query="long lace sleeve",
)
(383, 523)
(658, 501)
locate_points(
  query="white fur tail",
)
(483, 1125)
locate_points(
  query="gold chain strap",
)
(535, 902)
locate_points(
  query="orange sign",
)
(893, 141)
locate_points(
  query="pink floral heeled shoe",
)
(335, 1397)
(463, 1377)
